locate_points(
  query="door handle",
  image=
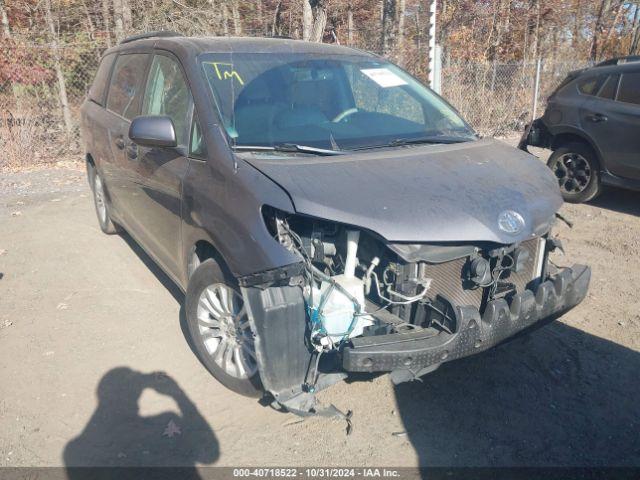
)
(120, 143)
(597, 118)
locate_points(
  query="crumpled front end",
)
(357, 303)
(409, 356)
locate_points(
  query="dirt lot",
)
(86, 319)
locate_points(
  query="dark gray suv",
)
(592, 124)
(324, 212)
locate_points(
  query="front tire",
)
(577, 170)
(220, 331)
(100, 201)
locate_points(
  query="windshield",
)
(334, 102)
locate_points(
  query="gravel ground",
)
(94, 367)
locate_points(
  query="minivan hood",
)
(430, 193)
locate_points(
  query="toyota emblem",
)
(511, 222)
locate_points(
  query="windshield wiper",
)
(288, 147)
(398, 142)
(431, 139)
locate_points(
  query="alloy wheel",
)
(224, 328)
(98, 192)
(573, 173)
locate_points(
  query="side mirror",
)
(153, 131)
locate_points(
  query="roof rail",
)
(160, 33)
(619, 60)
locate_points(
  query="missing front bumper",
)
(535, 134)
(418, 352)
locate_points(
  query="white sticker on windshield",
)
(384, 77)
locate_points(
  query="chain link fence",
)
(498, 99)
(42, 87)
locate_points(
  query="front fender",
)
(223, 207)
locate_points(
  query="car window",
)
(126, 84)
(326, 101)
(589, 86)
(370, 96)
(197, 147)
(167, 93)
(609, 88)
(99, 86)
(629, 90)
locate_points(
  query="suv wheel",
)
(100, 200)
(219, 328)
(576, 167)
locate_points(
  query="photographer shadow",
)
(118, 436)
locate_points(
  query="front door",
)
(161, 170)
(612, 119)
(123, 104)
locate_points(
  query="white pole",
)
(536, 87)
(432, 42)
(437, 79)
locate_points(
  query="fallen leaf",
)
(62, 306)
(2, 251)
(172, 430)
(16, 213)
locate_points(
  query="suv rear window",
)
(608, 90)
(589, 86)
(629, 91)
(125, 91)
(99, 86)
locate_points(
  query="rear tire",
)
(107, 225)
(577, 170)
(219, 329)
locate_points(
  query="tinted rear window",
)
(629, 91)
(99, 85)
(589, 86)
(125, 91)
(609, 88)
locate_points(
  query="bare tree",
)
(536, 29)
(598, 30)
(402, 8)
(225, 19)
(350, 24)
(87, 14)
(6, 31)
(611, 27)
(389, 27)
(275, 25)
(62, 89)
(127, 21)
(635, 35)
(235, 14)
(105, 21)
(118, 22)
(314, 19)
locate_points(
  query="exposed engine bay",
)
(356, 285)
(357, 303)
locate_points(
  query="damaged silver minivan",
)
(324, 212)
